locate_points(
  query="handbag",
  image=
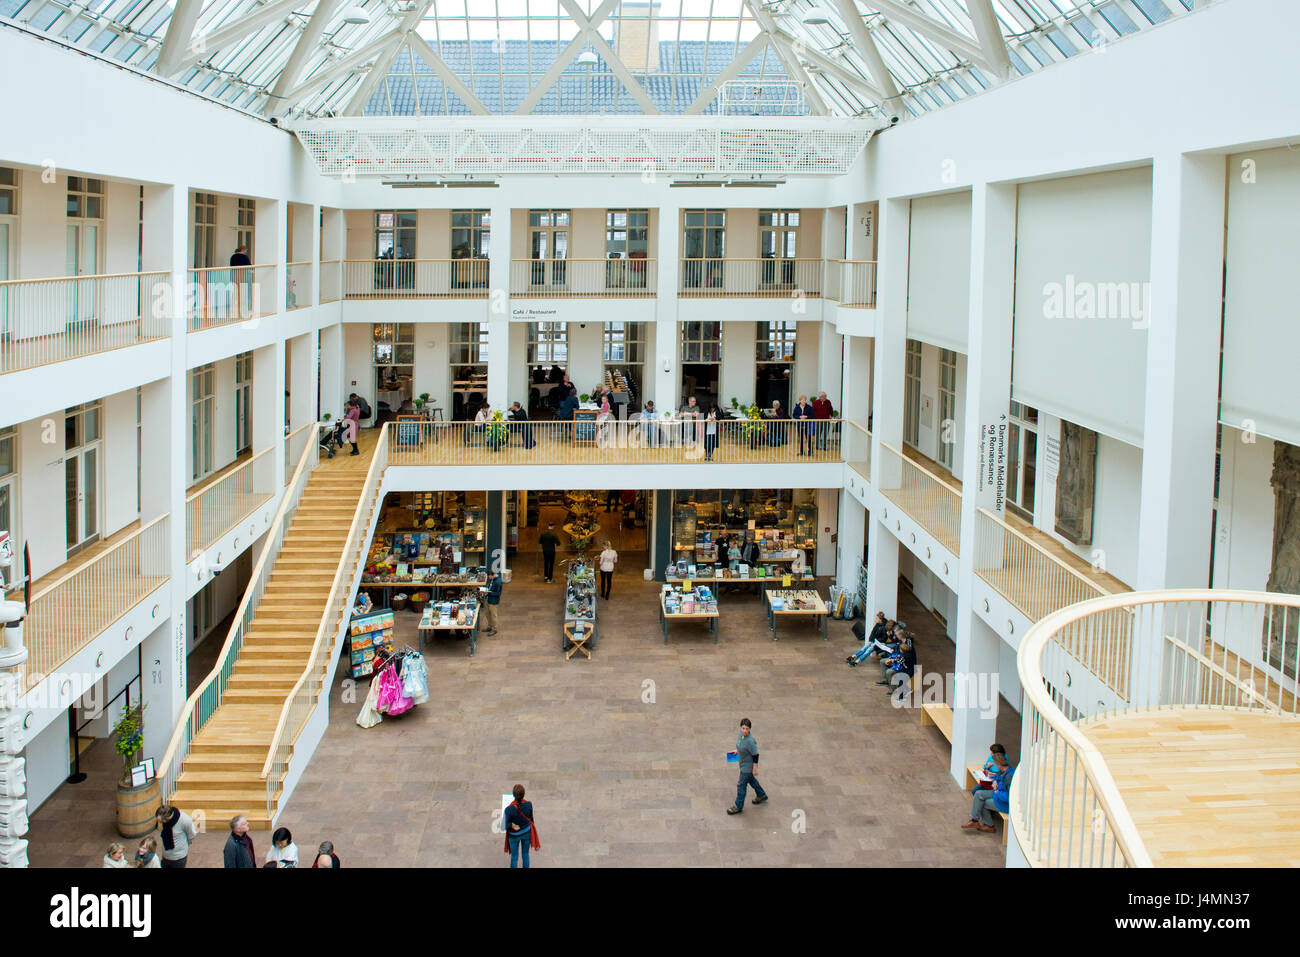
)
(534, 842)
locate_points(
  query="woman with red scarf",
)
(520, 830)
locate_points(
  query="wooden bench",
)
(939, 715)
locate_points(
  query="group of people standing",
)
(171, 849)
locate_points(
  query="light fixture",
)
(355, 16)
(587, 58)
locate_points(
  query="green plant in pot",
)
(424, 397)
(128, 740)
(419, 403)
(734, 404)
(327, 416)
(584, 397)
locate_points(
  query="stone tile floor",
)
(622, 755)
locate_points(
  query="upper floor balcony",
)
(635, 278)
(51, 320)
(410, 278)
(749, 278)
(851, 283)
(1159, 729)
(925, 491)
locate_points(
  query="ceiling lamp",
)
(355, 16)
(587, 58)
(816, 17)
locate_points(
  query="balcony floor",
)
(29, 353)
(1208, 788)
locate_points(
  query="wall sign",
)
(993, 460)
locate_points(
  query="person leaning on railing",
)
(520, 426)
(822, 410)
(803, 416)
(778, 414)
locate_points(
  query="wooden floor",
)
(941, 518)
(220, 775)
(1208, 788)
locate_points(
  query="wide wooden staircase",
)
(220, 774)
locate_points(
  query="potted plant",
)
(584, 397)
(424, 397)
(497, 430)
(734, 403)
(419, 403)
(135, 803)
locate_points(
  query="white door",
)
(81, 473)
(4, 274)
(82, 260)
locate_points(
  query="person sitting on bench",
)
(898, 670)
(868, 641)
(480, 422)
(990, 769)
(988, 800)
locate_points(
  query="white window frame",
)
(548, 344)
(205, 230)
(947, 406)
(912, 393)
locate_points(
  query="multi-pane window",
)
(243, 401)
(8, 191)
(471, 233)
(548, 343)
(704, 243)
(205, 230)
(85, 198)
(395, 234)
(245, 224)
(81, 426)
(394, 344)
(203, 401)
(778, 245)
(624, 343)
(912, 394)
(776, 341)
(548, 246)
(1022, 459)
(468, 349)
(947, 406)
(627, 233)
(701, 341)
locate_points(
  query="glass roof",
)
(876, 58)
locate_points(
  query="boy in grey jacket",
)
(747, 753)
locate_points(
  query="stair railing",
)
(302, 699)
(206, 698)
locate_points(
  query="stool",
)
(435, 414)
(578, 640)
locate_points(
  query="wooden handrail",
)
(46, 589)
(164, 765)
(363, 504)
(101, 275)
(1040, 549)
(726, 259)
(228, 268)
(235, 471)
(955, 491)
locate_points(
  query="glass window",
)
(395, 234)
(776, 341)
(8, 191)
(912, 394)
(947, 406)
(548, 343)
(85, 198)
(471, 233)
(627, 233)
(245, 224)
(394, 344)
(701, 341)
(6, 454)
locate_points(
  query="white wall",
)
(1243, 548)
(736, 377)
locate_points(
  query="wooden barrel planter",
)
(136, 807)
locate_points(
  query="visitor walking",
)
(549, 541)
(491, 598)
(325, 856)
(521, 832)
(238, 853)
(608, 559)
(178, 830)
(351, 423)
(747, 754)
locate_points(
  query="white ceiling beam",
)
(177, 40)
(308, 43)
(837, 68)
(552, 76)
(866, 46)
(366, 88)
(420, 46)
(990, 36)
(793, 68)
(205, 43)
(613, 59)
(933, 30)
(370, 82)
(343, 67)
(733, 69)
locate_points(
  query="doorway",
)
(548, 248)
(82, 462)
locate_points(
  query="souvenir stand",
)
(579, 603)
(689, 602)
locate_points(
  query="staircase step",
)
(197, 782)
(243, 762)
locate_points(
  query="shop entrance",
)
(584, 520)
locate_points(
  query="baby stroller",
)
(331, 436)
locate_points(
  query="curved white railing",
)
(207, 696)
(1130, 653)
(315, 677)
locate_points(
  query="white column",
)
(332, 392)
(662, 386)
(164, 471)
(271, 219)
(849, 538)
(312, 248)
(498, 313)
(831, 367)
(988, 392)
(333, 248)
(888, 358)
(268, 415)
(302, 380)
(1182, 372)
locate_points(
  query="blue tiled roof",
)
(501, 79)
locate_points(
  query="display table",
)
(579, 607)
(813, 607)
(431, 626)
(577, 639)
(698, 615)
